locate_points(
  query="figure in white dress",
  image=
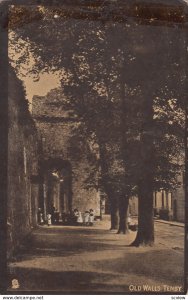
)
(86, 218)
(80, 219)
(40, 216)
(49, 219)
(91, 217)
(75, 216)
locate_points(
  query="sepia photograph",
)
(96, 147)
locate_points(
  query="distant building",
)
(168, 205)
(64, 175)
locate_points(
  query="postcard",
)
(94, 118)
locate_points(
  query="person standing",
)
(80, 219)
(91, 217)
(40, 217)
(86, 218)
(76, 214)
(49, 219)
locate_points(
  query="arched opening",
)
(57, 188)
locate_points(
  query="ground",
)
(94, 259)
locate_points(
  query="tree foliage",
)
(117, 80)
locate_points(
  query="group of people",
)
(75, 217)
(52, 217)
(86, 218)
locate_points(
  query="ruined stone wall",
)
(56, 133)
(22, 165)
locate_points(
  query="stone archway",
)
(57, 186)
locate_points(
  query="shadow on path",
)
(70, 281)
(85, 260)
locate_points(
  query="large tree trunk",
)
(123, 209)
(145, 234)
(113, 208)
(114, 214)
(108, 188)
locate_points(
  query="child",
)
(86, 218)
(41, 219)
(91, 217)
(49, 219)
(80, 219)
(40, 216)
(76, 215)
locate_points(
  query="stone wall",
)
(22, 166)
(56, 130)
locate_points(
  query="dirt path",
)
(78, 259)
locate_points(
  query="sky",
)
(41, 87)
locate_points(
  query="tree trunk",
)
(114, 216)
(113, 200)
(123, 209)
(109, 190)
(145, 234)
(114, 213)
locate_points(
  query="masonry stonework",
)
(57, 129)
(22, 165)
